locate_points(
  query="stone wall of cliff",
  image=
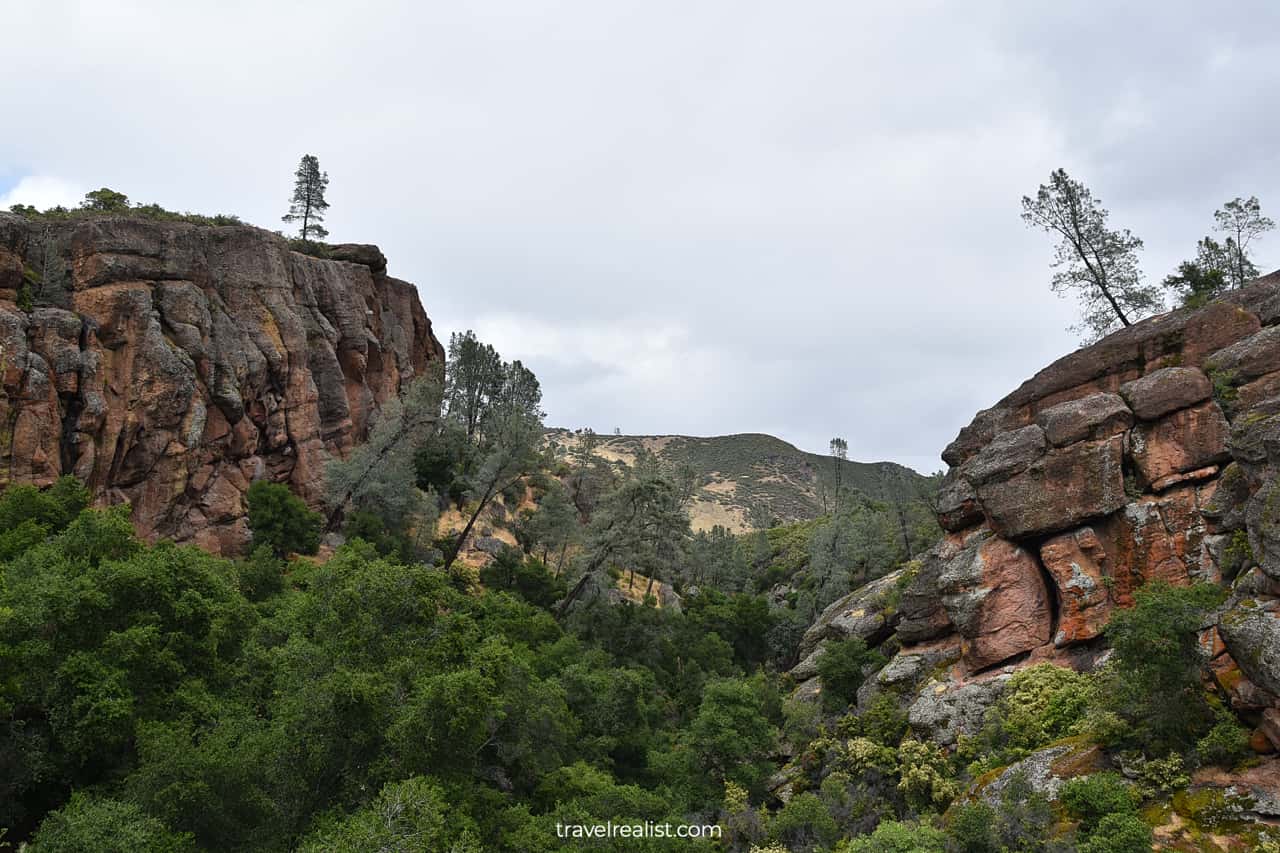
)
(171, 365)
(1151, 454)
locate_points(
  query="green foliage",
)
(108, 202)
(926, 781)
(843, 667)
(893, 836)
(530, 579)
(280, 521)
(262, 574)
(1119, 833)
(1227, 741)
(1039, 705)
(1097, 263)
(1194, 285)
(972, 828)
(411, 815)
(729, 733)
(105, 200)
(25, 301)
(29, 514)
(105, 826)
(804, 823)
(308, 203)
(1091, 798)
(1154, 677)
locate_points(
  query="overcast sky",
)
(700, 217)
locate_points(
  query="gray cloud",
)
(703, 218)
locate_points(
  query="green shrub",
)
(261, 575)
(528, 578)
(804, 822)
(1043, 703)
(1226, 743)
(926, 779)
(1153, 681)
(972, 828)
(1091, 798)
(281, 521)
(892, 836)
(1118, 833)
(843, 667)
(105, 826)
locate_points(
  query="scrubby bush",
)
(843, 667)
(1093, 797)
(1118, 833)
(281, 521)
(105, 826)
(1153, 681)
(892, 836)
(804, 824)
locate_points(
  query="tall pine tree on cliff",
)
(308, 202)
(1097, 262)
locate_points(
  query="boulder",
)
(1166, 390)
(1078, 563)
(1091, 417)
(921, 614)
(1262, 515)
(958, 505)
(1247, 359)
(996, 597)
(1254, 442)
(1186, 440)
(1061, 490)
(943, 711)
(1156, 537)
(1251, 632)
(1008, 453)
(865, 613)
(364, 254)
(1046, 770)
(907, 670)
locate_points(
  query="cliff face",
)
(1151, 454)
(185, 362)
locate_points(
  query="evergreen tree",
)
(308, 204)
(1242, 221)
(1100, 263)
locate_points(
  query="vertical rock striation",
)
(174, 364)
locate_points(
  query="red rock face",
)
(1100, 472)
(1013, 614)
(189, 361)
(1081, 571)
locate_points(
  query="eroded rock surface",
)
(171, 364)
(1152, 455)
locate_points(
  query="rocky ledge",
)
(170, 365)
(1151, 454)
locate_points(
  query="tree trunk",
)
(466, 531)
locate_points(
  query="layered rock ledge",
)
(1152, 454)
(170, 365)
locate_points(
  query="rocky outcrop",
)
(173, 364)
(1153, 454)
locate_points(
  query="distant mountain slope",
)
(742, 471)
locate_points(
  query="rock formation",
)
(172, 364)
(1153, 453)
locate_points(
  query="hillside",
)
(741, 472)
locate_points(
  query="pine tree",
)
(308, 202)
(1100, 264)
